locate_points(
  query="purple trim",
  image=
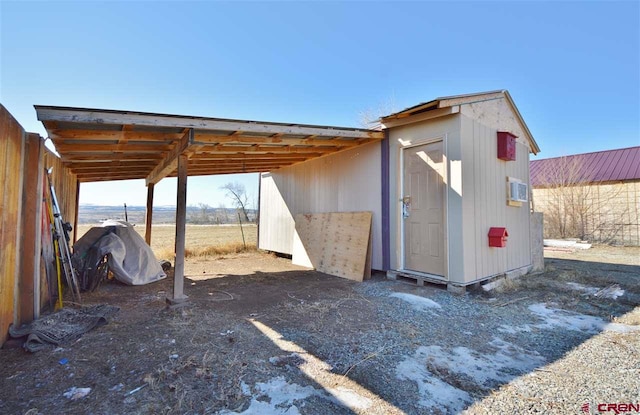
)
(384, 169)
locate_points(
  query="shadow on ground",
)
(299, 341)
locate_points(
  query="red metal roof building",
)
(601, 166)
(593, 196)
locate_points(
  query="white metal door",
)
(423, 209)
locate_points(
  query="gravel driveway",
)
(299, 342)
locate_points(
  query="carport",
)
(102, 145)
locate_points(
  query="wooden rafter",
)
(92, 135)
(335, 141)
(107, 148)
(114, 145)
(170, 162)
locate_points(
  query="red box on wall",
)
(498, 237)
(506, 146)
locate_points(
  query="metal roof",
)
(449, 101)
(99, 144)
(601, 166)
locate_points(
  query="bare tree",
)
(576, 207)
(238, 195)
(370, 117)
(204, 212)
(220, 214)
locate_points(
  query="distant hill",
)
(90, 214)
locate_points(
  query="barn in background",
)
(449, 173)
(593, 196)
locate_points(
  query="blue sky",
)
(573, 68)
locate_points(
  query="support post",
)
(385, 196)
(149, 214)
(181, 217)
(28, 282)
(77, 212)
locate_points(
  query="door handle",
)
(406, 207)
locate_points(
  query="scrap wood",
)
(607, 290)
(337, 243)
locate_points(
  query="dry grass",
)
(201, 240)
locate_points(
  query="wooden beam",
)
(106, 179)
(468, 99)
(107, 165)
(181, 218)
(196, 163)
(93, 135)
(149, 214)
(230, 170)
(169, 163)
(107, 148)
(222, 149)
(77, 115)
(79, 158)
(214, 156)
(391, 122)
(202, 138)
(83, 177)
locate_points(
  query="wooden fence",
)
(23, 160)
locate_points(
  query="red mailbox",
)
(506, 146)
(498, 237)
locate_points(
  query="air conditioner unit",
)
(518, 192)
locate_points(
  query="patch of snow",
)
(246, 389)
(611, 292)
(417, 302)
(558, 318)
(479, 367)
(583, 288)
(558, 243)
(482, 367)
(432, 391)
(505, 328)
(277, 397)
(349, 398)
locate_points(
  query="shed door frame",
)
(400, 195)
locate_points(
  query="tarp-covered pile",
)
(127, 255)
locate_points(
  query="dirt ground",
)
(261, 336)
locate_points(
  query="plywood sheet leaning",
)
(336, 243)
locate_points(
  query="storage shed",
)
(448, 173)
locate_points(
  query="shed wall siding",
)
(345, 182)
(448, 129)
(485, 193)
